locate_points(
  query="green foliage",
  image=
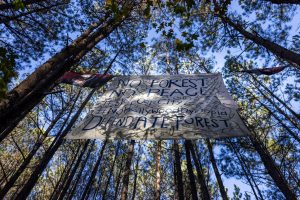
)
(7, 69)
(18, 4)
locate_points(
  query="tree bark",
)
(88, 186)
(127, 170)
(216, 170)
(204, 189)
(187, 145)
(157, 170)
(281, 52)
(178, 171)
(273, 170)
(136, 173)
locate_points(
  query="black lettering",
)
(198, 121)
(164, 92)
(214, 123)
(163, 86)
(153, 91)
(177, 122)
(163, 123)
(206, 122)
(140, 119)
(187, 92)
(176, 91)
(94, 122)
(185, 83)
(225, 122)
(153, 81)
(194, 85)
(174, 82)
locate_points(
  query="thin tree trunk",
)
(178, 171)
(88, 186)
(127, 170)
(216, 170)
(63, 178)
(25, 191)
(6, 6)
(204, 189)
(118, 182)
(79, 175)
(29, 92)
(285, 1)
(136, 173)
(275, 96)
(187, 145)
(67, 183)
(111, 171)
(273, 170)
(246, 171)
(157, 170)
(35, 148)
(281, 52)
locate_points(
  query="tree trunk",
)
(111, 171)
(281, 52)
(216, 170)
(273, 170)
(79, 175)
(157, 169)
(204, 189)
(64, 176)
(30, 91)
(127, 170)
(25, 191)
(6, 6)
(136, 173)
(178, 171)
(246, 171)
(67, 183)
(275, 96)
(187, 145)
(88, 186)
(28, 158)
(285, 1)
(118, 181)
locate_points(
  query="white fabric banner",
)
(163, 107)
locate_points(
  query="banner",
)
(84, 80)
(163, 107)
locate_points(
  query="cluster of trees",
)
(143, 37)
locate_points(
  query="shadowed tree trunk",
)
(79, 175)
(204, 189)
(25, 191)
(118, 181)
(127, 170)
(88, 186)
(187, 146)
(67, 183)
(282, 52)
(136, 173)
(273, 170)
(157, 170)
(285, 1)
(216, 170)
(178, 172)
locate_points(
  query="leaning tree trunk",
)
(204, 189)
(88, 186)
(25, 191)
(29, 92)
(187, 146)
(285, 1)
(216, 170)
(127, 170)
(281, 52)
(272, 169)
(178, 174)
